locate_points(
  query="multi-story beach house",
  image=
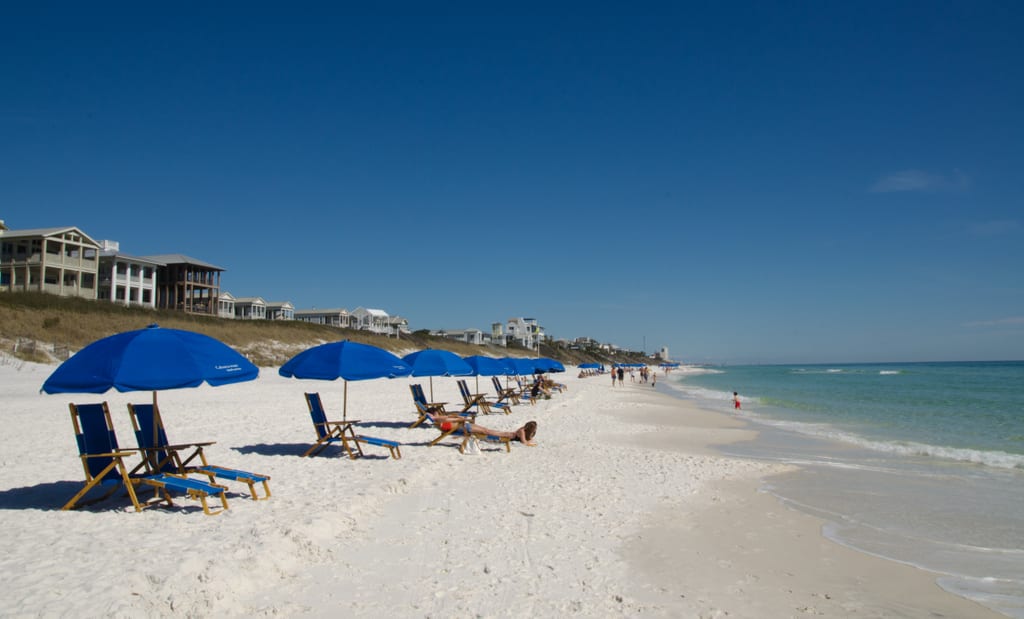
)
(524, 332)
(62, 261)
(334, 317)
(124, 279)
(186, 284)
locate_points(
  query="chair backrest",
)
(497, 384)
(464, 390)
(417, 394)
(94, 432)
(149, 434)
(316, 412)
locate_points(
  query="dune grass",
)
(43, 327)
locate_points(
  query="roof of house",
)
(316, 312)
(8, 234)
(244, 300)
(182, 259)
(117, 254)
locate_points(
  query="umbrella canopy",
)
(520, 366)
(150, 359)
(589, 366)
(432, 362)
(544, 364)
(487, 366)
(346, 360)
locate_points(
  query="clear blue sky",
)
(763, 182)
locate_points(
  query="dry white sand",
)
(622, 509)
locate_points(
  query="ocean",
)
(921, 463)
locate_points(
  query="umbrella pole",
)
(344, 404)
(156, 431)
(432, 389)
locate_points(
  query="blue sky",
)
(763, 182)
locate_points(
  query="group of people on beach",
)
(646, 375)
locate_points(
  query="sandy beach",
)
(622, 509)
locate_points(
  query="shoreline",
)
(590, 522)
(760, 557)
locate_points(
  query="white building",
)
(126, 280)
(373, 320)
(333, 317)
(525, 332)
(280, 310)
(250, 308)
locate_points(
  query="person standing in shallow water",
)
(735, 400)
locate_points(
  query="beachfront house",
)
(373, 320)
(336, 317)
(498, 337)
(226, 305)
(61, 261)
(398, 326)
(186, 284)
(250, 308)
(280, 310)
(525, 332)
(124, 279)
(469, 336)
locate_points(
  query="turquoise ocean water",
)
(921, 463)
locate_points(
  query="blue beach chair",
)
(343, 432)
(104, 464)
(480, 401)
(166, 458)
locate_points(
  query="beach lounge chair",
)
(422, 406)
(343, 432)
(104, 465)
(163, 457)
(480, 401)
(505, 393)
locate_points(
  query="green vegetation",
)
(43, 327)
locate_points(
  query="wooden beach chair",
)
(480, 401)
(343, 432)
(104, 464)
(505, 393)
(162, 457)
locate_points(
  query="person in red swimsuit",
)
(735, 400)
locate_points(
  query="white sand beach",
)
(622, 509)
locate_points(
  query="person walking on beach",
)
(735, 400)
(622, 376)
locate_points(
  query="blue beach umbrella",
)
(486, 366)
(345, 360)
(520, 365)
(433, 362)
(544, 364)
(150, 359)
(589, 366)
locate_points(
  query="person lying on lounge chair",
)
(523, 434)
